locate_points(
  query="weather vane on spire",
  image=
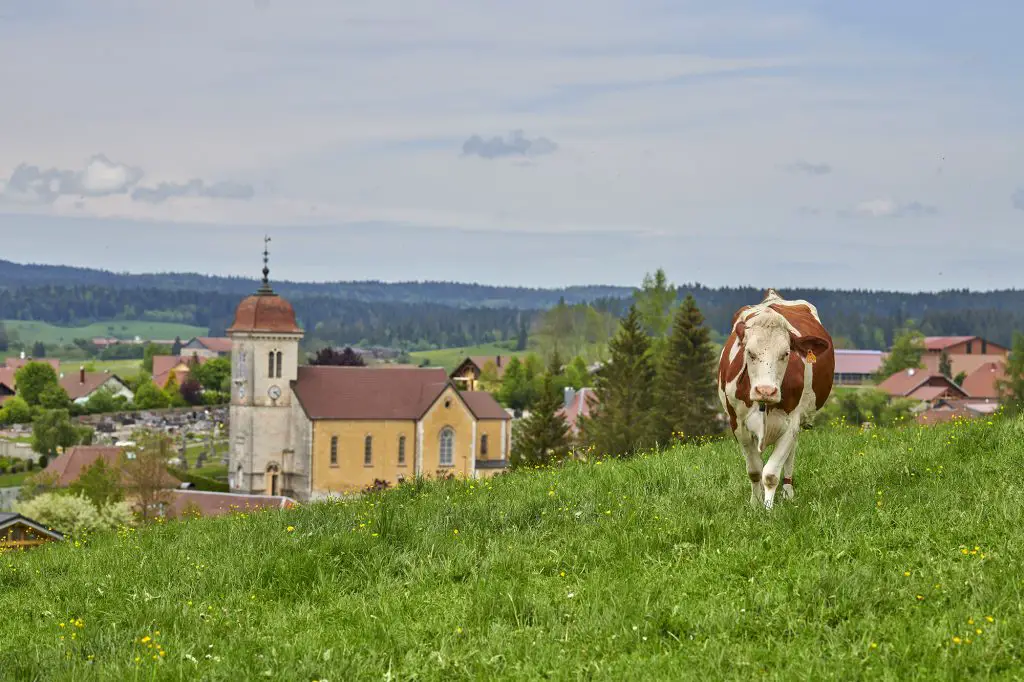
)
(266, 265)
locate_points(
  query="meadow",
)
(449, 358)
(31, 332)
(898, 559)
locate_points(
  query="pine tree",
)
(686, 392)
(622, 420)
(1011, 389)
(544, 435)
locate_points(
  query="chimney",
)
(567, 396)
(81, 374)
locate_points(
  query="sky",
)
(867, 145)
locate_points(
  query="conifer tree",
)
(1011, 389)
(622, 420)
(544, 435)
(687, 394)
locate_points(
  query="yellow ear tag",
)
(811, 357)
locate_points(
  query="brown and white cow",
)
(775, 372)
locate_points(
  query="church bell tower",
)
(265, 358)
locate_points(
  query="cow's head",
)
(768, 342)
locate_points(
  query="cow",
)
(774, 374)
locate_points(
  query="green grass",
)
(449, 358)
(11, 480)
(650, 569)
(31, 332)
(122, 368)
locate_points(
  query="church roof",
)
(265, 312)
(340, 392)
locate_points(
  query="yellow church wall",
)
(492, 429)
(351, 473)
(448, 411)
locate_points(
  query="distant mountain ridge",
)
(456, 294)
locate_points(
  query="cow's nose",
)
(765, 391)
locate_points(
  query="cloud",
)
(889, 208)
(809, 168)
(100, 177)
(1018, 199)
(516, 145)
(193, 188)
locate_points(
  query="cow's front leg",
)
(773, 467)
(787, 473)
(748, 444)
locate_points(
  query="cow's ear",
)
(740, 330)
(808, 344)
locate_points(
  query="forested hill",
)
(453, 294)
(446, 314)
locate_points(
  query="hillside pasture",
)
(898, 559)
(31, 332)
(449, 358)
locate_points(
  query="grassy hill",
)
(449, 358)
(899, 559)
(31, 332)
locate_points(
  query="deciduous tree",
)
(33, 379)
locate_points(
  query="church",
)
(312, 432)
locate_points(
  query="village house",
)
(20, 532)
(856, 367)
(467, 375)
(178, 366)
(84, 385)
(962, 345)
(922, 385)
(577, 405)
(317, 431)
(207, 347)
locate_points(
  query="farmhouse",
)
(207, 347)
(83, 385)
(921, 385)
(14, 364)
(178, 366)
(962, 345)
(318, 431)
(577, 404)
(467, 375)
(21, 532)
(857, 367)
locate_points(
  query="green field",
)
(31, 332)
(122, 368)
(449, 358)
(899, 559)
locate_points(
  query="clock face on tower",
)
(274, 392)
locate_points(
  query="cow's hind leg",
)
(755, 464)
(787, 474)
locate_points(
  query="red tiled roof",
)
(338, 392)
(216, 504)
(941, 342)
(961, 363)
(18, 363)
(858, 361)
(908, 381)
(582, 402)
(70, 464)
(265, 312)
(7, 377)
(218, 344)
(163, 364)
(483, 405)
(76, 388)
(983, 382)
(927, 393)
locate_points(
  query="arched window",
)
(447, 446)
(334, 451)
(270, 366)
(401, 451)
(368, 451)
(278, 364)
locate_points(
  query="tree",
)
(15, 411)
(621, 421)
(330, 356)
(74, 514)
(146, 473)
(945, 365)
(191, 391)
(5, 343)
(1011, 388)
(38, 350)
(52, 430)
(906, 352)
(151, 350)
(488, 379)
(212, 374)
(687, 390)
(173, 392)
(104, 401)
(516, 390)
(544, 435)
(149, 397)
(33, 379)
(654, 303)
(176, 346)
(54, 398)
(523, 337)
(100, 482)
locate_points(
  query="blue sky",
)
(800, 142)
